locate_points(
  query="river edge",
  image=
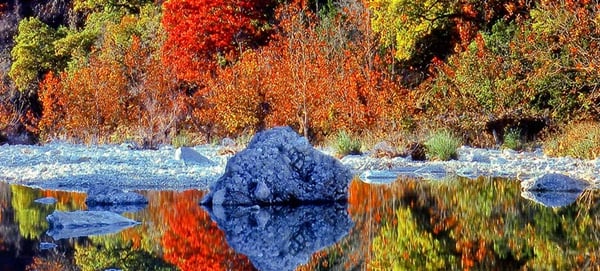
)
(72, 167)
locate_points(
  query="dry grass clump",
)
(580, 140)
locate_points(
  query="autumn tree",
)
(541, 66)
(54, 107)
(204, 33)
(122, 88)
(317, 75)
(418, 31)
(8, 113)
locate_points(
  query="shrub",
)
(512, 140)
(442, 145)
(581, 140)
(345, 145)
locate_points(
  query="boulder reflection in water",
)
(282, 237)
(552, 198)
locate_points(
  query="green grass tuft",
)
(345, 145)
(512, 140)
(442, 145)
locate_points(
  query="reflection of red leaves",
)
(193, 242)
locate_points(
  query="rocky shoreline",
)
(63, 166)
(474, 162)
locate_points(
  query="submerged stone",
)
(46, 200)
(554, 182)
(552, 198)
(47, 246)
(280, 167)
(101, 195)
(379, 176)
(86, 223)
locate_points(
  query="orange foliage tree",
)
(310, 77)
(122, 90)
(155, 97)
(54, 106)
(8, 114)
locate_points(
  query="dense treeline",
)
(151, 70)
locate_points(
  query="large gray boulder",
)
(554, 182)
(280, 167)
(281, 238)
(86, 223)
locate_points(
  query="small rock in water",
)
(190, 156)
(86, 223)
(379, 176)
(551, 198)
(46, 245)
(101, 195)
(554, 182)
(46, 200)
(432, 172)
(468, 172)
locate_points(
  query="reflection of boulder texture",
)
(85, 223)
(552, 199)
(279, 166)
(282, 237)
(554, 182)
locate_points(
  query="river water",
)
(409, 224)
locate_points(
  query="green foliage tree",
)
(402, 24)
(33, 54)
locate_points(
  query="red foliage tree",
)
(201, 33)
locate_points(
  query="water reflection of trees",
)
(462, 224)
(176, 234)
(31, 216)
(192, 240)
(457, 224)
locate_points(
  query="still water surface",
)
(407, 225)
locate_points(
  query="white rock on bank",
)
(190, 156)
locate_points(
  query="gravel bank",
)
(77, 167)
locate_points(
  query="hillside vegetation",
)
(150, 71)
